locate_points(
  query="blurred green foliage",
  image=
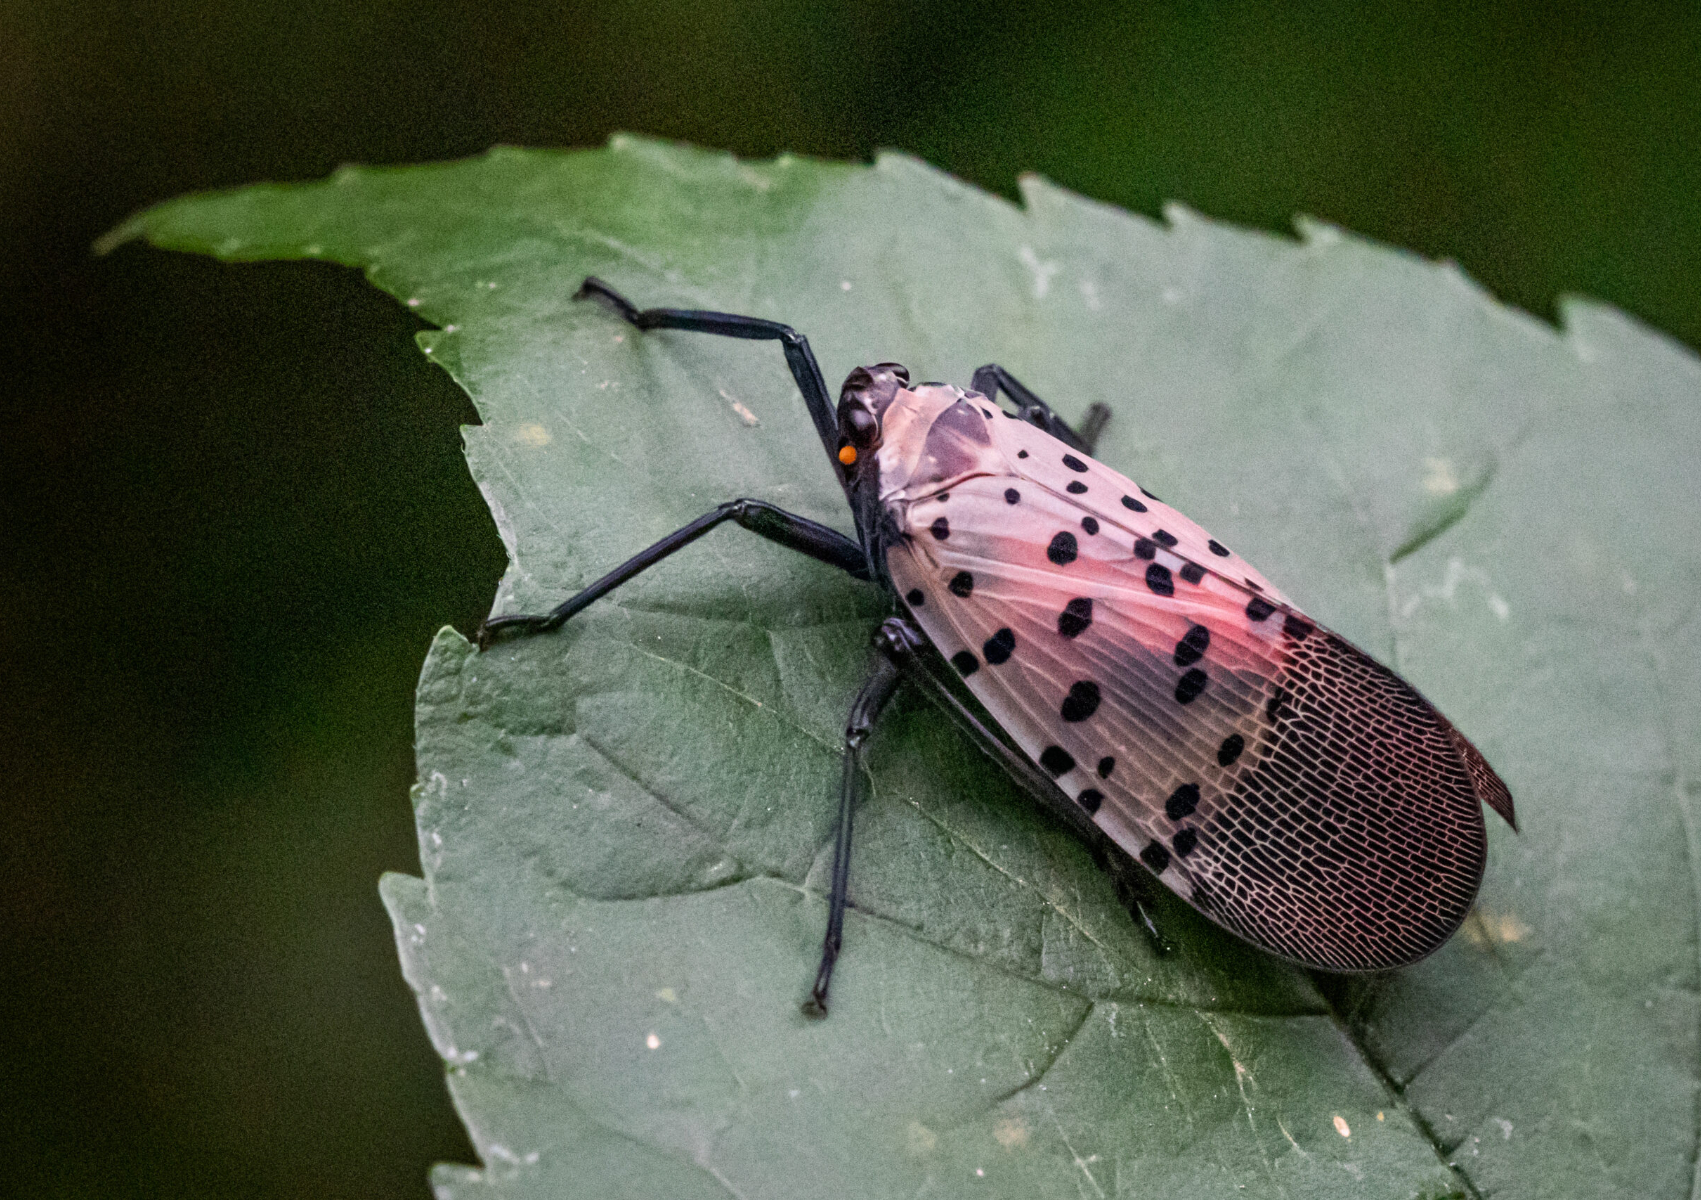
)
(234, 501)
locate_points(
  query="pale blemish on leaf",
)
(1447, 591)
(1440, 478)
(1484, 928)
(919, 1138)
(1043, 270)
(738, 406)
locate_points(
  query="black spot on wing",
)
(941, 528)
(1182, 802)
(1012, 496)
(1230, 750)
(1073, 463)
(1145, 548)
(1057, 760)
(962, 584)
(915, 598)
(1063, 549)
(999, 647)
(1164, 536)
(1190, 686)
(1259, 608)
(965, 663)
(1075, 617)
(1076, 488)
(1217, 548)
(1082, 700)
(1192, 572)
(1129, 502)
(1089, 524)
(1191, 648)
(1155, 857)
(1184, 842)
(1158, 579)
(1090, 799)
(1107, 764)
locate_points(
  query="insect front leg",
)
(758, 516)
(882, 681)
(1030, 408)
(799, 357)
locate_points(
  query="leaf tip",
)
(131, 229)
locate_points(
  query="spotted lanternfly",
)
(1141, 679)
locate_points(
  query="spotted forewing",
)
(1269, 772)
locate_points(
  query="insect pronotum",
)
(1126, 668)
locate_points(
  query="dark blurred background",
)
(233, 503)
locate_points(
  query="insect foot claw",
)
(1161, 945)
(595, 289)
(493, 629)
(814, 1009)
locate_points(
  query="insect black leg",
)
(1135, 888)
(799, 357)
(1029, 407)
(908, 647)
(882, 681)
(775, 524)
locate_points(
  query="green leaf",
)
(624, 826)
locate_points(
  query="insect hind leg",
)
(876, 691)
(992, 378)
(906, 645)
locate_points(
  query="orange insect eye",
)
(847, 455)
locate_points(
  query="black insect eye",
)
(859, 427)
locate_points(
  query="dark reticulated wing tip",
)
(1381, 845)
(1490, 789)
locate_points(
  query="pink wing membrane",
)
(1268, 772)
(1123, 643)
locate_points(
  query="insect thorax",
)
(933, 435)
